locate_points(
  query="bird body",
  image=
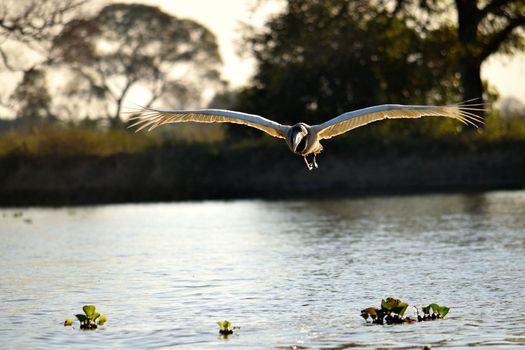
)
(301, 138)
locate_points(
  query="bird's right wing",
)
(464, 112)
(151, 118)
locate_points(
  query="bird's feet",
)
(311, 165)
(308, 165)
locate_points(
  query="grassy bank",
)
(72, 142)
(78, 142)
(76, 166)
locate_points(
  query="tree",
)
(483, 32)
(320, 58)
(483, 28)
(32, 23)
(126, 46)
(33, 98)
(26, 30)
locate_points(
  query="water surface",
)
(289, 273)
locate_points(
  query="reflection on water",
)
(290, 273)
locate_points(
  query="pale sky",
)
(223, 17)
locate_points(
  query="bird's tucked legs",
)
(315, 162)
(308, 165)
(311, 165)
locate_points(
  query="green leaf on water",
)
(68, 322)
(95, 316)
(426, 310)
(435, 308)
(81, 318)
(384, 305)
(89, 310)
(102, 319)
(400, 309)
(443, 311)
(394, 305)
(225, 325)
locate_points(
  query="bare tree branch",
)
(120, 99)
(37, 18)
(5, 59)
(492, 6)
(33, 23)
(500, 37)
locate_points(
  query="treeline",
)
(68, 142)
(315, 59)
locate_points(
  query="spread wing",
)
(151, 118)
(351, 120)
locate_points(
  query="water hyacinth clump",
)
(91, 319)
(437, 312)
(392, 311)
(225, 327)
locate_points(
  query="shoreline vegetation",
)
(75, 166)
(68, 143)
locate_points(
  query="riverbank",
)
(260, 170)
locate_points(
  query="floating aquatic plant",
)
(437, 312)
(392, 311)
(90, 319)
(68, 322)
(225, 328)
(101, 320)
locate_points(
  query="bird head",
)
(297, 139)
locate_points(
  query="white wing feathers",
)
(151, 118)
(351, 120)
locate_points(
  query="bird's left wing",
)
(351, 120)
(151, 118)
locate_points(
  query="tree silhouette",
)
(318, 59)
(483, 29)
(33, 98)
(129, 45)
(32, 23)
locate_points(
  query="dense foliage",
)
(318, 59)
(482, 28)
(321, 58)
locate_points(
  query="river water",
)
(290, 274)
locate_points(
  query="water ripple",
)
(292, 274)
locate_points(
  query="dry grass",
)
(76, 141)
(73, 141)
